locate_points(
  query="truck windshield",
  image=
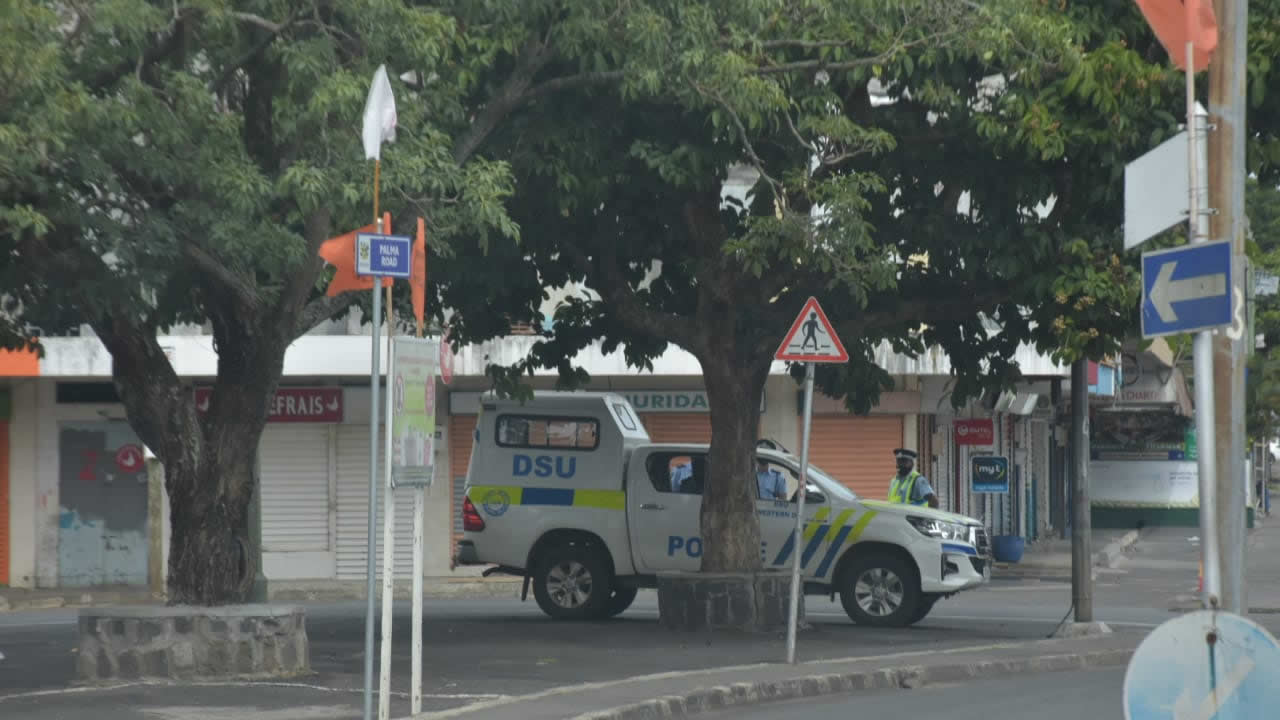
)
(829, 485)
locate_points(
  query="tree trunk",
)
(730, 524)
(211, 558)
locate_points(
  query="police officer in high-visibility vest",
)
(908, 486)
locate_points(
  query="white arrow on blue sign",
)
(1186, 289)
(385, 255)
(1179, 673)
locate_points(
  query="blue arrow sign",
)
(388, 255)
(1186, 289)
(1178, 673)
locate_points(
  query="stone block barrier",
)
(189, 643)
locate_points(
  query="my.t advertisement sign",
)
(989, 473)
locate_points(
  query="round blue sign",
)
(1204, 666)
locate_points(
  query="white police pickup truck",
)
(567, 491)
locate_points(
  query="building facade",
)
(77, 508)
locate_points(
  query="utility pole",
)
(1227, 222)
(1082, 523)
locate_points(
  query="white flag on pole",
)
(379, 115)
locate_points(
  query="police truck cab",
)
(567, 491)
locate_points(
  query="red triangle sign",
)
(812, 339)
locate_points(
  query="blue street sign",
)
(1205, 664)
(1186, 289)
(990, 473)
(388, 255)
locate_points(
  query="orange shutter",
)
(462, 430)
(4, 503)
(857, 451)
(677, 427)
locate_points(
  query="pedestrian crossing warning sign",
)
(811, 338)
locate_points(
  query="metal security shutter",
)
(462, 430)
(857, 451)
(295, 488)
(353, 509)
(677, 427)
(4, 503)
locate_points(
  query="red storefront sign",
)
(294, 404)
(978, 431)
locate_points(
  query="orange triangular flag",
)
(418, 274)
(1176, 22)
(340, 252)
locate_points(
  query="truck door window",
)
(677, 473)
(548, 432)
(775, 481)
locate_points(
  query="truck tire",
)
(923, 607)
(880, 589)
(620, 600)
(571, 582)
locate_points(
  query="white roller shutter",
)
(353, 509)
(295, 488)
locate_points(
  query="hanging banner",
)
(990, 474)
(413, 411)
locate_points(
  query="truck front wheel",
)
(571, 582)
(880, 589)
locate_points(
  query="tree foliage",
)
(939, 174)
(166, 163)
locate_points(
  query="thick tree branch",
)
(604, 276)
(250, 18)
(321, 309)
(568, 82)
(533, 58)
(204, 261)
(316, 229)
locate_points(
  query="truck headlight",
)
(939, 529)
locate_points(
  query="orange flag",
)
(418, 274)
(340, 252)
(1176, 22)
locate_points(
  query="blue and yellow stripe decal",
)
(816, 533)
(494, 500)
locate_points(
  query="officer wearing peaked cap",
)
(908, 486)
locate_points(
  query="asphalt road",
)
(480, 649)
(1093, 694)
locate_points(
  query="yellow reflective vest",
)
(900, 489)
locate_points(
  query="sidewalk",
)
(676, 694)
(466, 583)
(1050, 558)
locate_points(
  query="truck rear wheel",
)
(571, 582)
(880, 589)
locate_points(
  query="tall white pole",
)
(797, 548)
(419, 522)
(371, 562)
(1202, 362)
(388, 538)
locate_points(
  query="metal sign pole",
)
(1202, 362)
(388, 532)
(371, 567)
(794, 611)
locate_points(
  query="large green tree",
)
(936, 173)
(164, 163)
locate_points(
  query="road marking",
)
(286, 685)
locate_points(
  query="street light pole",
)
(1227, 221)
(1081, 521)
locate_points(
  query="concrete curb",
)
(1108, 556)
(904, 677)
(1033, 568)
